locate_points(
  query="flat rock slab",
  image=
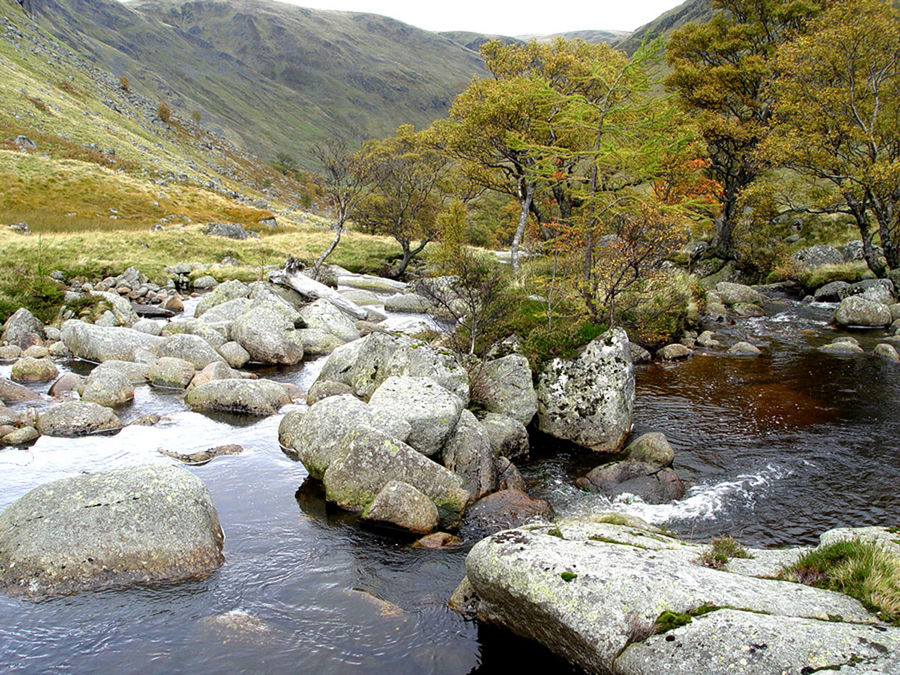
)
(102, 343)
(78, 418)
(586, 591)
(140, 524)
(248, 397)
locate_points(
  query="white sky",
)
(505, 17)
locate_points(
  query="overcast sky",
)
(519, 17)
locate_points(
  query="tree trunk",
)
(339, 229)
(725, 224)
(526, 194)
(862, 222)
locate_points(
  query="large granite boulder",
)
(101, 343)
(365, 364)
(230, 290)
(137, 373)
(140, 524)
(122, 309)
(77, 418)
(737, 294)
(190, 348)
(171, 373)
(817, 256)
(247, 397)
(469, 454)
(23, 329)
(267, 333)
(858, 310)
(107, 387)
(505, 386)
(589, 400)
(628, 599)
(195, 327)
(223, 313)
(508, 437)
(315, 436)
(324, 316)
(28, 369)
(369, 459)
(430, 410)
(401, 505)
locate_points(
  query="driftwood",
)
(312, 289)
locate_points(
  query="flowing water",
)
(778, 448)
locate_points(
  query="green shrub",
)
(721, 550)
(563, 341)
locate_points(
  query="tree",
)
(720, 71)
(837, 117)
(347, 180)
(406, 194)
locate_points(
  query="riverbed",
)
(778, 449)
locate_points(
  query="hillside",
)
(691, 10)
(271, 77)
(608, 36)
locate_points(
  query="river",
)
(777, 448)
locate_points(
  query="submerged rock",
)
(744, 349)
(589, 400)
(202, 456)
(653, 483)
(503, 510)
(673, 352)
(141, 524)
(886, 351)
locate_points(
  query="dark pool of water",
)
(780, 448)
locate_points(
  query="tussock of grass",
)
(849, 272)
(720, 551)
(862, 570)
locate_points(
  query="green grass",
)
(849, 272)
(720, 551)
(862, 570)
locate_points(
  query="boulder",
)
(171, 373)
(501, 511)
(401, 505)
(430, 410)
(267, 333)
(36, 352)
(831, 292)
(121, 308)
(653, 483)
(10, 352)
(877, 290)
(58, 350)
(817, 256)
(652, 448)
(595, 593)
(190, 348)
(365, 364)
(107, 387)
(248, 397)
(508, 437)
(508, 476)
(229, 290)
(316, 436)
(589, 400)
(324, 316)
(230, 231)
(886, 351)
(747, 310)
(505, 386)
(469, 454)
(199, 328)
(408, 303)
(28, 369)
(673, 352)
(143, 524)
(23, 329)
(8, 416)
(322, 390)
(361, 297)
(77, 418)
(708, 339)
(858, 310)
(225, 312)
(317, 342)
(214, 371)
(235, 355)
(10, 393)
(369, 459)
(841, 348)
(65, 385)
(137, 373)
(733, 294)
(639, 354)
(204, 283)
(21, 436)
(744, 349)
(149, 326)
(99, 343)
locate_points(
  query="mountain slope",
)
(693, 10)
(270, 76)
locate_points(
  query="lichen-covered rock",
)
(858, 310)
(141, 524)
(214, 371)
(365, 364)
(317, 342)
(508, 476)
(137, 373)
(21, 436)
(590, 591)
(508, 437)
(469, 454)
(171, 373)
(248, 397)
(324, 316)
(673, 352)
(639, 354)
(744, 349)
(267, 333)
(121, 308)
(841, 348)
(100, 343)
(36, 352)
(589, 400)
(77, 418)
(430, 410)
(230, 290)
(10, 352)
(887, 351)
(818, 256)
(23, 329)
(322, 390)
(149, 326)
(369, 459)
(107, 387)
(401, 505)
(652, 448)
(28, 369)
(225, 312)
(733, 294)
(235, 355)
(708, 339)
(408, 302)
(190, 348)
(830, 292)
(505, 387)
(194, 327)
(316, 436)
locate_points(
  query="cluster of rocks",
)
(612, 594)
(849, 346)
(871, 303)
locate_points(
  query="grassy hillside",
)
(596, 36)
(692, 10)
(270, 76)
